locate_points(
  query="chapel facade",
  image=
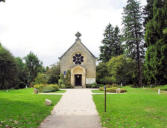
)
(80, 62)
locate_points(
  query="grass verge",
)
(23, 109)
(139, 108)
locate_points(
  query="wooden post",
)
(104, 98)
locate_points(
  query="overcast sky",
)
(48, 27)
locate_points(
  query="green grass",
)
(23, 109)
(138, 108)
(97, 91)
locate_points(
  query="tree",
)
(133, 34)
(111, 43)
(156, 40)
(8, 69)
(41, 79)
(2, 0)
(102, 75)
(53, 74)
(22, 75)
(33, 65)
(148, 12)
(121, 69)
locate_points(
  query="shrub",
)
(39, 87)
(67, 80)
(115, 85)
(108, 86)
(47, 87)
(101, 88)
(62, 86)
(60, 81)
(94, 85)
(123, 91)
(112, 90)
(50, 88)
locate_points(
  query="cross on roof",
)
(78, 35)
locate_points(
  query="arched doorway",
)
(78, 77)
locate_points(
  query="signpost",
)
(104, 98)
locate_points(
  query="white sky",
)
(48, 27)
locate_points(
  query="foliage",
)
(148, 108)
(34, 66)
(113, 89)
(102, 76)
(47, 87)
(53, 74)
(93, 85)
(8, 69)
(22, 109)
(61, 81)
(112, 45)
(156, 59)
(50, 88)
(148, 12)
(39, 87)
(101, 88)
(41, 79)
(65, 80)
(133, 34)
(121, 69)
(22, 75)
(62, 86)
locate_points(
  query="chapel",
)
(80, 62)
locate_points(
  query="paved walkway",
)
(76, 109)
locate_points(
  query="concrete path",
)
(76, 109)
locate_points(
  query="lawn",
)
(23, 109)
(97, 91)
(138, 108)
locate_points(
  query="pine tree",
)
(133, 34)
(111, 43)
(156, 39)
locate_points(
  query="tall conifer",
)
(156, 40)
(111, 43)
(133, 34)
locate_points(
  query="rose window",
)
(78, 58)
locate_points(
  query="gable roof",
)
(82, 45)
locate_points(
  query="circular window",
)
(78, 58)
